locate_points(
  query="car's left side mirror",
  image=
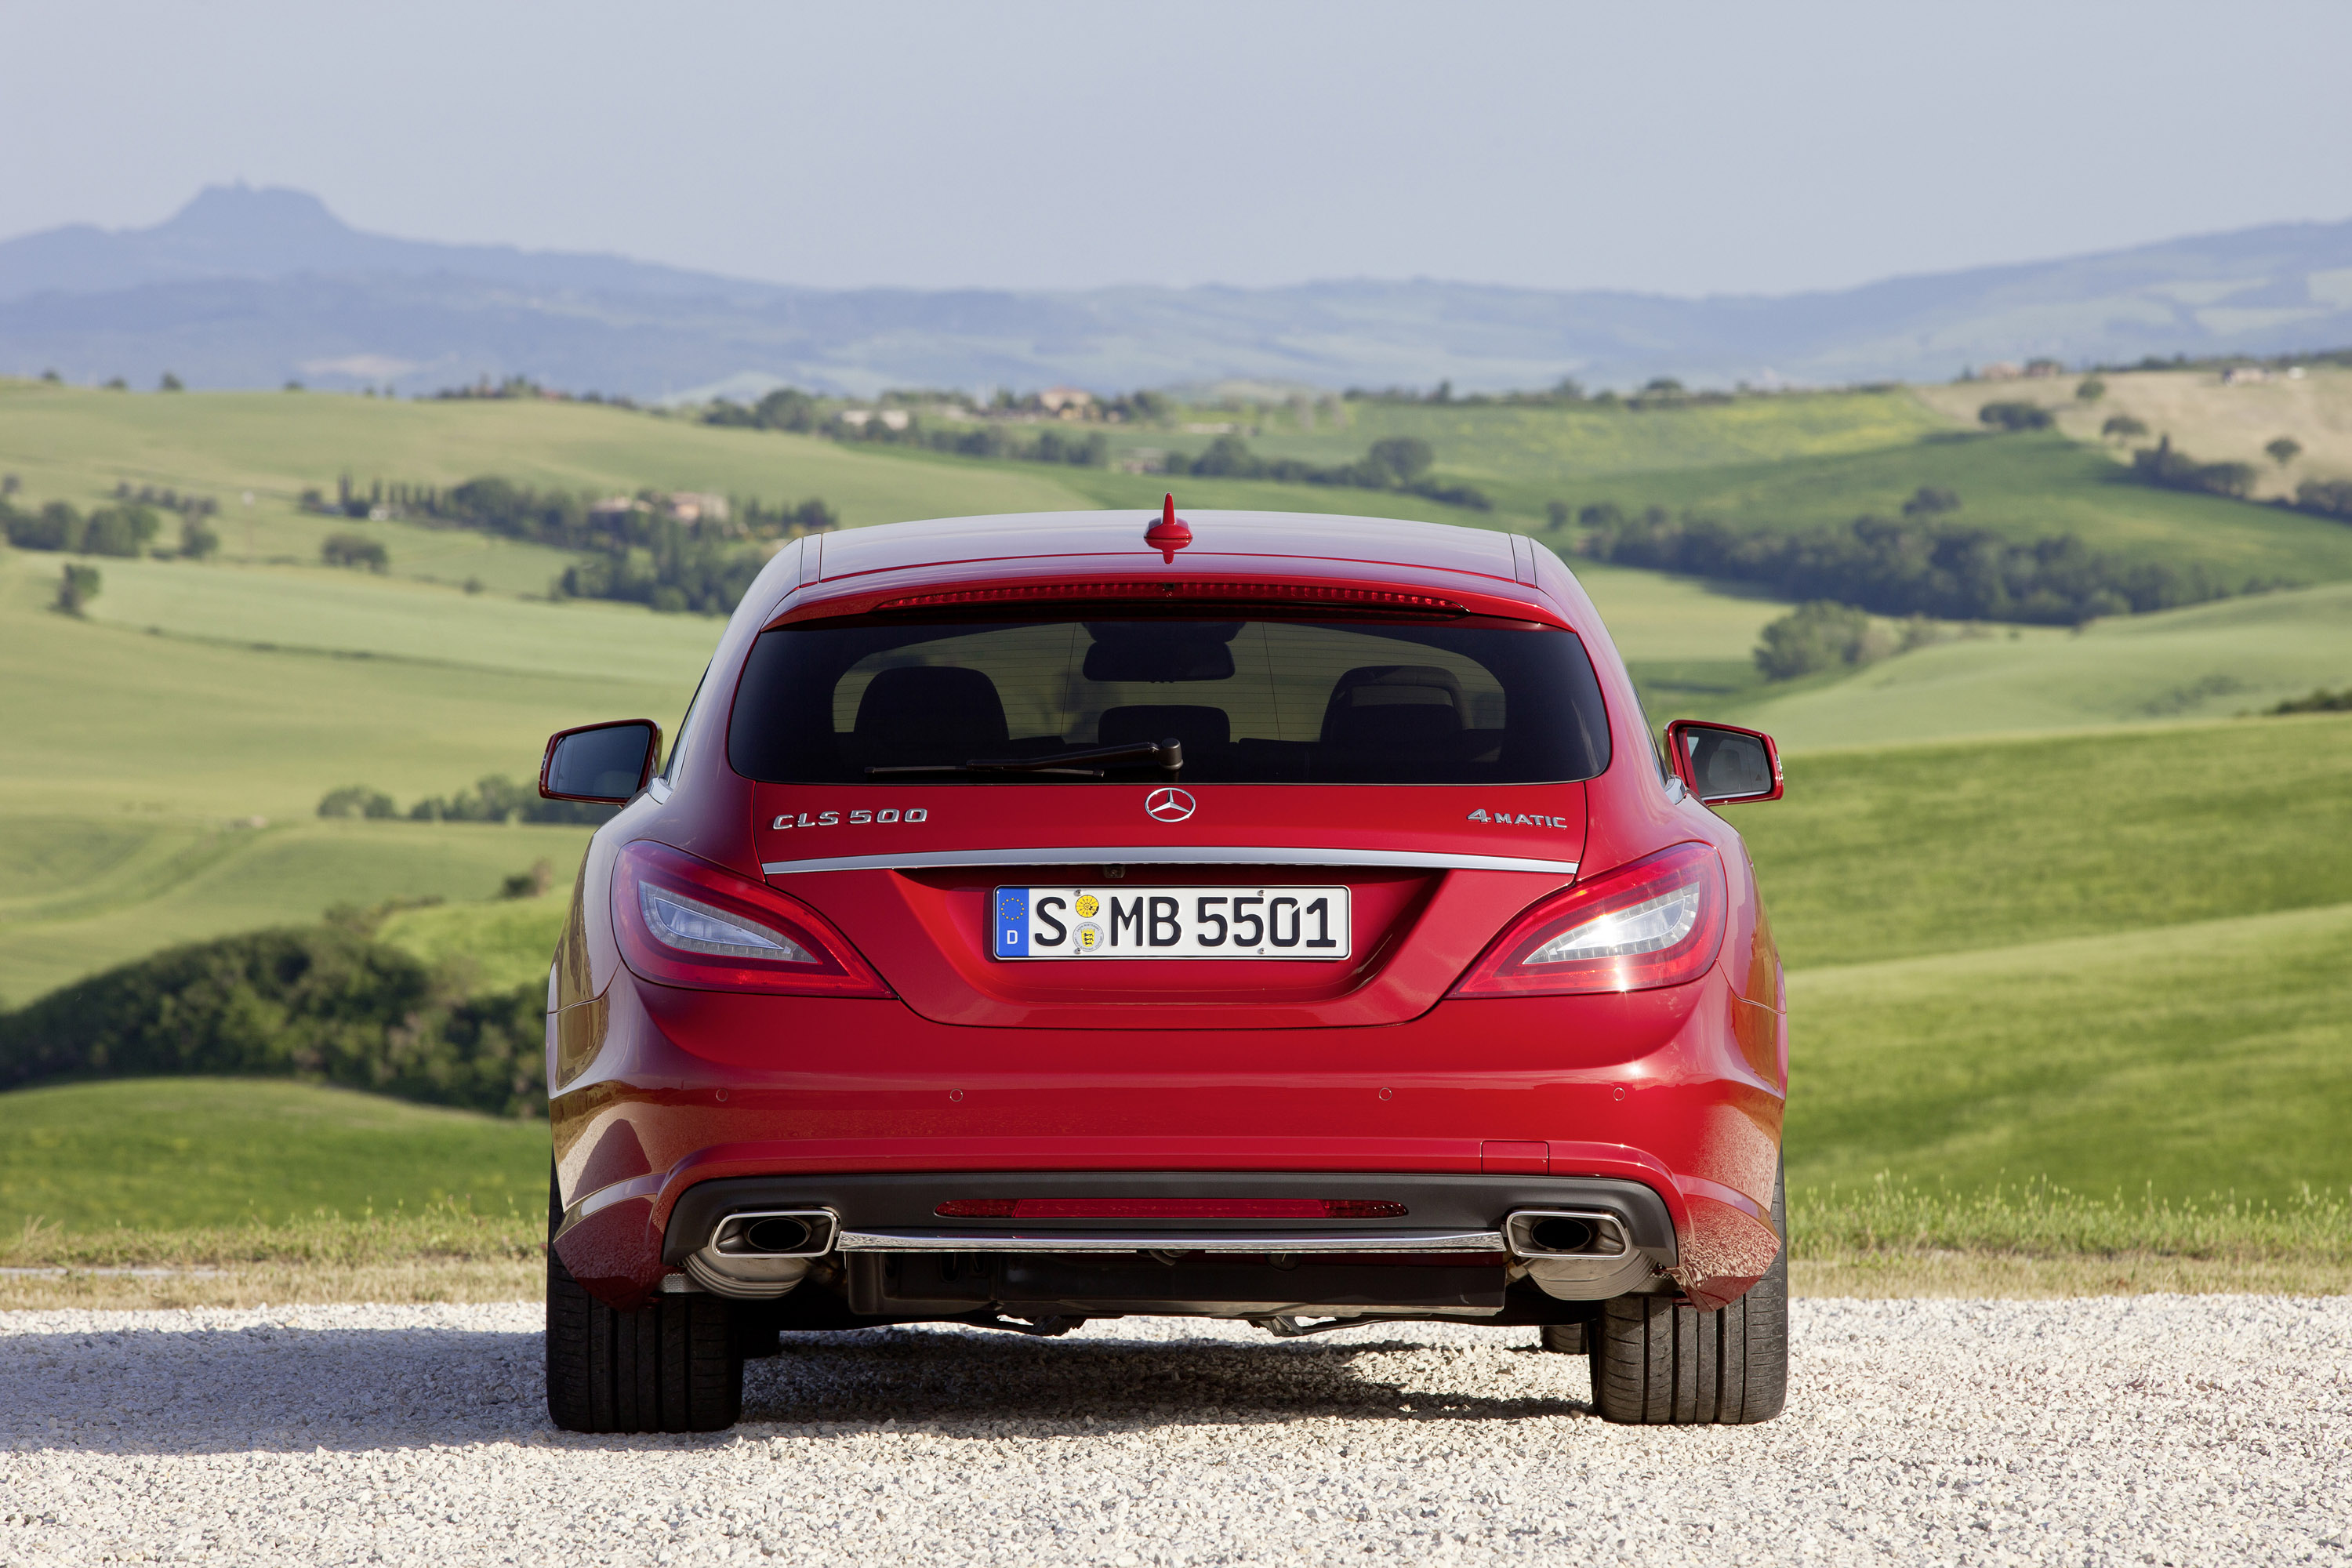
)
(605, 763)
(1722, 764)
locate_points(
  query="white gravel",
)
(2150, 1429)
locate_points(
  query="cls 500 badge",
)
(856, 818)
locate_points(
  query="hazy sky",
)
(1685, 148)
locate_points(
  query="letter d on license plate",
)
(1169, 923)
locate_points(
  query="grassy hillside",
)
(137, 763)
(1507, 443)
(2187, 1060)
(2204, 662)
(2111, 961)
(1914, 851)
(505, 944)
(2215, 422)
(2028, 486)
(324, 609)
(163, 1152)
(85, 893)
(75, 443)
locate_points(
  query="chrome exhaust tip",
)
(763, 1253)
(776, 1233)
(1566, 1233)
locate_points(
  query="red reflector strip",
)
(1164, 590)
(1170, 1209)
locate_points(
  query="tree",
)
(2090, 389)
(1821, 636)
(1556, 514)
(354, 549)
(170, 383)
(1928, 500)
(1406, 457)
(2014, 413)
(2123, 428)
(2284, 450)
(77, 587)
(197, 540)
(357, 800)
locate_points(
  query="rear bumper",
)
(1660, 1106)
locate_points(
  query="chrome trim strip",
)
(1168, 1241)
(1165, 855)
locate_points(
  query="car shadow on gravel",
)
(1074, 1387)
(271, 1388)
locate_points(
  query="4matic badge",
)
(1517, 819)
(856, 818)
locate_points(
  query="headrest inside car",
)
(1160, 650)
(944, 714)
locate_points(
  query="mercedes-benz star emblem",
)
(1168, 806)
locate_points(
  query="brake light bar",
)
(1163, 591)
(1170, 1209)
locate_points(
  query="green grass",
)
(135, 762)
(1500, 443)
(170, 1152)
(2192, 1059)
(503, 943)
(76, 444)
(85, 894)
(1937, 849)
(2024, 487)
(2206, 661)
(323, 609)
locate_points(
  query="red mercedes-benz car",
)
(1259, 916)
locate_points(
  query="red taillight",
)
(1170, 1209)
(1655, 922)
(684, 922)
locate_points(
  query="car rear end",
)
(1291, 922)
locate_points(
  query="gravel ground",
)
(2145, 1429)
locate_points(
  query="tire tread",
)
(1659, 1362)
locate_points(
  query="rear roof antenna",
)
(1170, 533)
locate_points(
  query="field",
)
(2206, 661)
(2051, 915)
(2213, 422)
(168, 1153)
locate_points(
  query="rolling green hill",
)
(2206, 661)
(2114, 961)
(75, 445)
(160, 1153)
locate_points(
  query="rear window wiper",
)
(1165, 755)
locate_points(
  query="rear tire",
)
(673, 1365)
(1658, 1362)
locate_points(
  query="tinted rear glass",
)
(1269, 702)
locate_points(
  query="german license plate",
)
(1170, 923)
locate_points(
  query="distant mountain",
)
(252, 287)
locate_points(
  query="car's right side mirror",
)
(605, 763)
(1722, 764)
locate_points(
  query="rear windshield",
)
(1265, 701)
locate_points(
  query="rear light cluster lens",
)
(684, 922)
(1654, 923)
(1163, 589)
(1170, 1209)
